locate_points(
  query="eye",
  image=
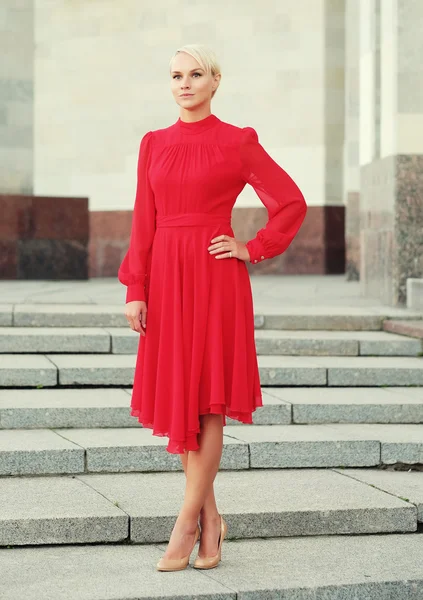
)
(175, 76)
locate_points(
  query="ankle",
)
(209, 517)
(187, 523)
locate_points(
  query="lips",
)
(186, 95)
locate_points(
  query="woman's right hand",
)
(136, 315)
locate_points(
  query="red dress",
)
(198, 355)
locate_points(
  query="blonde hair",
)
(204, 56)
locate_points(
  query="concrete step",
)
(270, 503)
(340, 371)
(109, 407)
(299, 317)
(122, 340)
(32, 370)
(335, 343)
(61, 450)
(31, 340)
(359, 567)
(406, 328)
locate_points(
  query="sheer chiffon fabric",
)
(199, 355)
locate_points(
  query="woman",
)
(197, 361)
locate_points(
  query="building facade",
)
(333, 88)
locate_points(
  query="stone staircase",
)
(323, 495)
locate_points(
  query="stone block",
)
(300, 343)
(92, 369)
(414, 288)
(378, 566)
(288, 446)
(290, 370)
(123, 340)
(68, 315)
(391, 228)
(8, 258)
(72, 407)
(125, 450)
(52, 259)
(373, 371)
(406, 485)
(47, 339)
(46, 237)
(406, 328)
(6, 315)
(109, 572)
(273, 411)
(57, 510)
(109, 239)
(395, 345)
(399, 443)
(323, 320)
(261, 504)
(320, 567)
(38, 452)
(352, 405)
(26, 371)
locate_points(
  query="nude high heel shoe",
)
(212, 561)
(177, 564)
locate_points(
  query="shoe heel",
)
(212, 561)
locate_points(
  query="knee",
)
(205, 420)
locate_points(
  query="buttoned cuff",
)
(256, 251)
(135, 292)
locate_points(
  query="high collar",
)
(197, 126)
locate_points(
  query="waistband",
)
(196, 219)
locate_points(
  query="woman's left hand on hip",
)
(225, 246)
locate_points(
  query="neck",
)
(190, 116)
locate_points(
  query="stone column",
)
(41, 237)
(351, 169)
(391, 155)
(16, 96)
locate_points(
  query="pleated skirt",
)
(198, 355)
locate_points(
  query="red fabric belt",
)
(192, 219)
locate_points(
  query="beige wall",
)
(102, 82)
(16, 96)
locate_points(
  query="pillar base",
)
(43, 237)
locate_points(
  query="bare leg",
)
(200, 468)
(209, 519)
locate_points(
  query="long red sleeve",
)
(134, 269)
(278, 192)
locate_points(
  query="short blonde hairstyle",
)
(205, 57)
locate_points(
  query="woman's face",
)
(187, 77)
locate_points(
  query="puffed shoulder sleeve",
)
(278, 192)
(134, 269)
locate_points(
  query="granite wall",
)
(391, 226)
(318, 248)
(408, 242)
(43, 237)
